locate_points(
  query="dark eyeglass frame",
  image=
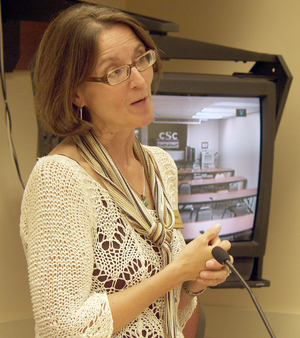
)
(104, 79)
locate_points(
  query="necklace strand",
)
(143, 195)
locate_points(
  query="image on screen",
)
(215, 143)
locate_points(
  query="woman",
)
(97, 221)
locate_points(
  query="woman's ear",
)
(77, 99)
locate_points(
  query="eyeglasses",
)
(121, 74)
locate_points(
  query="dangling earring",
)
(80, 113)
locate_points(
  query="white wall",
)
(240, 146)
(204, 132)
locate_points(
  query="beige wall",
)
(268, 26)
(14, 295)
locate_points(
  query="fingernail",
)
(217, 226)
(209, 264)
(203, 275)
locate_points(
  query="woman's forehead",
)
(117, 38)
(118, 43)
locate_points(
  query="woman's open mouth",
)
(140, 101)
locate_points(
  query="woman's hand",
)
(204, 270)
(216, 273)
(198, 262)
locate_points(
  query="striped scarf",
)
(159, 232)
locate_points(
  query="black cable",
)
(223, 258)
(255, 301)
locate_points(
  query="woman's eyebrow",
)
(140, 45)
(110, 58)
(116, 58)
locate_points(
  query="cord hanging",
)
(7, 112)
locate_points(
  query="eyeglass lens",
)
(121, 74)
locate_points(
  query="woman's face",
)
(127, 105)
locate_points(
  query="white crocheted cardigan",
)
(79, 248)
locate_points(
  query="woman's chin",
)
(146, 122)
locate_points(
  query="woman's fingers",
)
(226, 245)
(213, 277)
(197, 257)
(211, 235)
(212, 264)
(215, 274)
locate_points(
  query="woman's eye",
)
(142, 59)
(115, 73)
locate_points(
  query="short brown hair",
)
(66, 57)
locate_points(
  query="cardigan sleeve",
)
(57, 217)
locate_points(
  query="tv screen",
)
(215, 142)
(220, 131)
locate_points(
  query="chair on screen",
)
(220, 186)
(185, 189)
(233, 186)
(204, 213)
(236, 209)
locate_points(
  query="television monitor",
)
(220, 131)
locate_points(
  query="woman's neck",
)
(120, 147)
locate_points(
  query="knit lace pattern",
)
(80, 247)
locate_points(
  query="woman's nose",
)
(136, 77)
